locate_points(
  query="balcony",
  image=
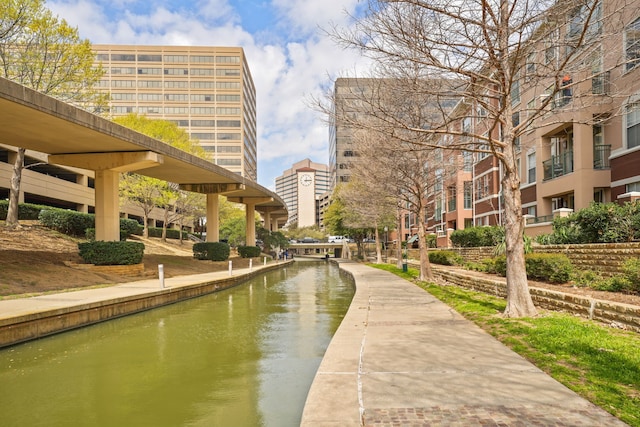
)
(559, 165)
(601, 155)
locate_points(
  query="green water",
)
(242, 357)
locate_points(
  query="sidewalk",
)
(403, 358)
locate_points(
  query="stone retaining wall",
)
(604, 258)
(120, 270)
(619, 315)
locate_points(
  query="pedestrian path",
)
(403, 358)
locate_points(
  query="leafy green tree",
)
(341, 219)
(149, 193)
(41, 51)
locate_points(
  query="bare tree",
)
(478, 53)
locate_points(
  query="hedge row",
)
(26, 211)
(111, 253)
(473, 237)
(171, 233)
(213, 251)
(445, 258)
(249, 251)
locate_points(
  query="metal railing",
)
(601, 155)
(600, 84)
(540, 219)
(559, 165)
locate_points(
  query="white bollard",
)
(265, 261)
(230, 268)
(250, 265)
(161, 275)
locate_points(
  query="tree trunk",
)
(164, 224)
(425, 266)
(145, 227)
(378, 247)
(14, 192)
(399, 261)
(519, 302)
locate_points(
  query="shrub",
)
(171, 233)
(26, 211)
(68, 222)
(500, 265)
(631, 271)
(445, 258)
(213, 251)
(611, 284)
(129, 227)
(477, 236)
(586, 278)
(111, 253)
(90, 234)
(553, 268)
(249, 251)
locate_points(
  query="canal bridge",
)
(338, 249)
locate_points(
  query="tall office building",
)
(301, 187)
(207, 91)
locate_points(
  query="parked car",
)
(309, 240)
(337, 239)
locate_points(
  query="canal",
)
(241, 357)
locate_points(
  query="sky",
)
(291, 57)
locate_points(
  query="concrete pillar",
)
(107, 206)
(251, 224)
(213, 220)
(267, 220)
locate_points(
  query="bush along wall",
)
(111, 253)
(552, 268)
(171, 233)
(445, 258)
(67, 222)
(26, 211)
(249, 251)
(212, 251)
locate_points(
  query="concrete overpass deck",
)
(74, 137)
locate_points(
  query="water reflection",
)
(243, 357)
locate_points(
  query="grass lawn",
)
(599, 363)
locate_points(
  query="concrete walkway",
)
(403, 358)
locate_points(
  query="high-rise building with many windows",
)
(302, 187)
(207, 91)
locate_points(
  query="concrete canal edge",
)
(57, 313)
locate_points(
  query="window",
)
(123, 110)
(123, 96)
(229, 123)
(228, 111)
(176, 110)
(202, 85)
(550, 47)
(123, 83)
(175, 58)
(176, 71)
(123, 70)
(176, 97)
(201, 58)
(201, 136)
(228, 98)
(150, 83)
(632, 121)
(149, 110)
(150, 58)
(202, 123)
(515, 90)
(202, 72)
(175, 84)
(633, 187)
(153, 71)
(228, 162)
(632, 44)
(515, 122)
(149, 97)
(531, 168)
(229, 136)
(228, 149)
(451, 198)
(227, 85)
(228, 59)
(202, 97)
(530, 66)
(202, 110)
(468, 195)
(467, 161)
(102, 57)
(122, 57)
(226, 72)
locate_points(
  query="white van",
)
(337, 239)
